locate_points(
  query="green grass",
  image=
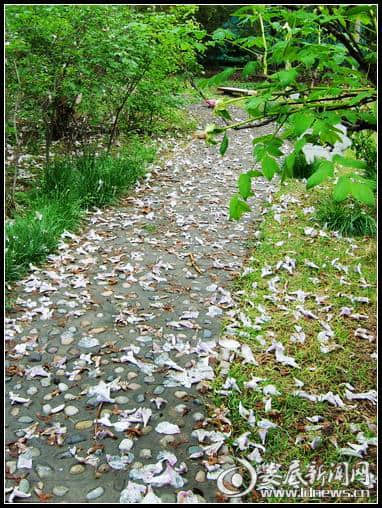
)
(150, 228)
(69, 186)
(350, 363)
(348, 218)
(32, 236)
(96, 180)
(301, 168)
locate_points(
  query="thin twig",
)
(98, 413)
(254, 125)
(193, 263)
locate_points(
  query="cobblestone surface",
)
(111, 344)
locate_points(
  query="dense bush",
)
(152, 103)
(75, 69)
(365, 148)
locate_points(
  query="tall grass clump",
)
(31, 237)
(301, 168)
(69, 186)
(96, 180)
(348, 218)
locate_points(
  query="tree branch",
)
(254, 125)
(245, 124)
(129, 91)
(360, 126)
(323, 99)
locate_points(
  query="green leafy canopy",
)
(319, 71)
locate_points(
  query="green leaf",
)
(358, 98)
(255, 105)
(220, 34)
(317, 178)
(254, 172)
(327, 167)
(288, 166)
(218, 79)
(362, 192)
(372, 184)
(244, 184)
(306, 58)
(349, 163)
(273, 146)
(269, 166)
(299, 145)
(301, 122)
(286, 77)
(210, 131)
(267, 144)
(223, 113)
(369, 117)
(250, 68)
(233, 208)
(237, 207)
(329, 137)
(351, 116)
(211, 128)
(342, 189)
(360, 9)
(261, 139)
(224, 145)
(259, 151)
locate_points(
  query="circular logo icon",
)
(231, 481)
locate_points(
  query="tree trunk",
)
(129, 91)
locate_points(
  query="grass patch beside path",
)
(33, 236)
(69, 186)
(346, 274)
(349, 218)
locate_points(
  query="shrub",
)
(365, 148)
(348, 218)
(109, 64)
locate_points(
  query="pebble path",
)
(111, 345)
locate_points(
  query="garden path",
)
(121, 326)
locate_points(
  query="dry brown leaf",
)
(134, 432)
(43, 496)
(14, 370)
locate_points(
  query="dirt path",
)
(121, 325)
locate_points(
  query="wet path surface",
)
(113, 341)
